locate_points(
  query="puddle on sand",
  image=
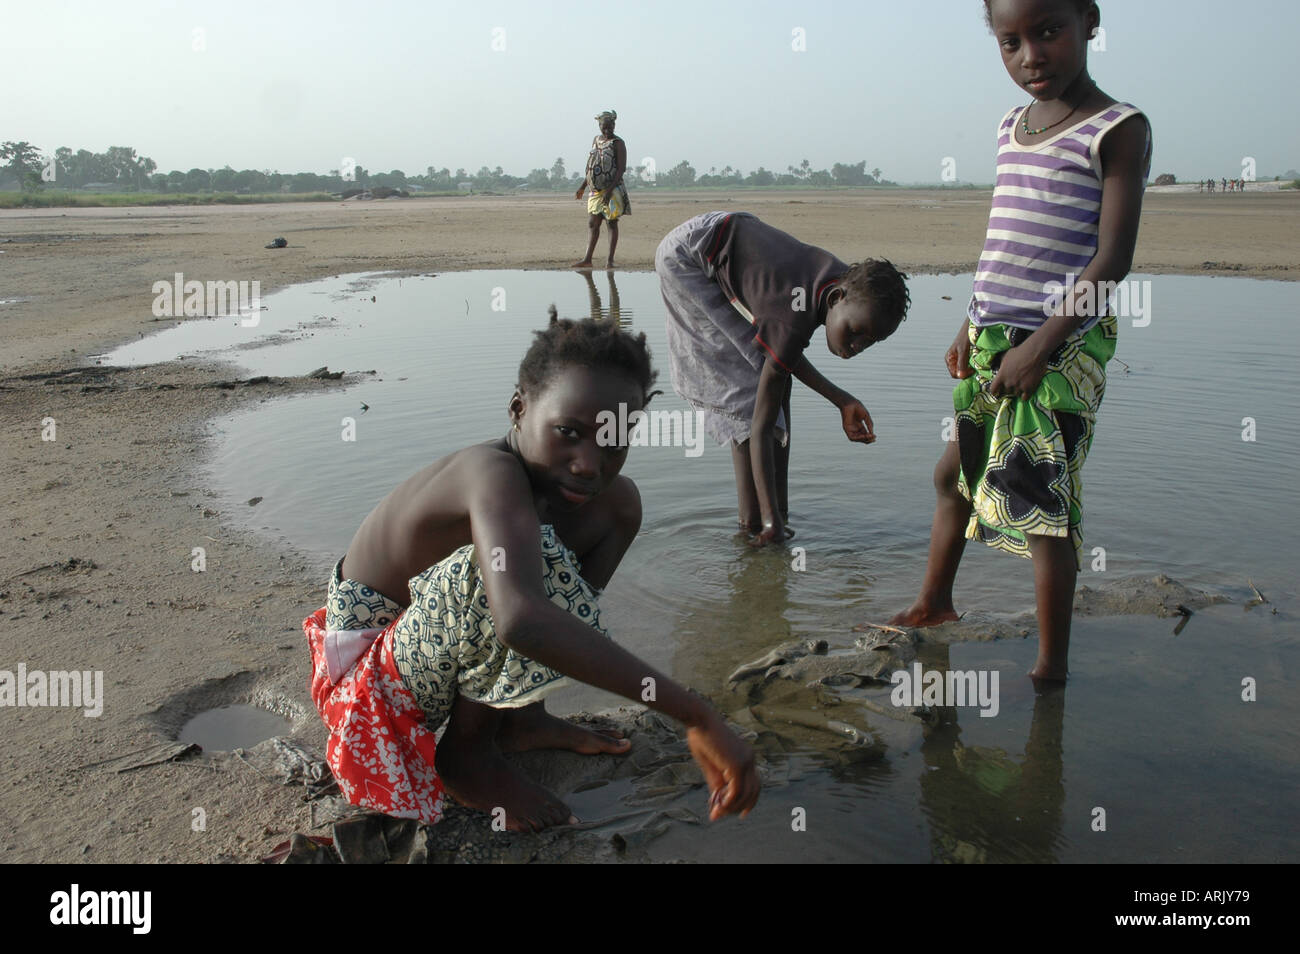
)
(233, 727)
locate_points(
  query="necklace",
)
(1024, 117)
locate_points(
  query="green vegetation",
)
(64, 199)
(120, 177)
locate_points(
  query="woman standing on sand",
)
(606, 164)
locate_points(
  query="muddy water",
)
(227, 728)
(1190, 475)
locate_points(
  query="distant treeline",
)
(121, 169)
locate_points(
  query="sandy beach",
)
(104, 517)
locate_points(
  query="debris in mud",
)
(807, 696)
(155, 754)
(1259, 599)
(303, 850)
(254, 501)
(627, 801)
(277, 243)
(243, 382)
(806, 662)
(286, 761)
(70, 565)
(325, 374)
(360, 840)
(803, 694)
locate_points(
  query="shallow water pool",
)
(1191, 474)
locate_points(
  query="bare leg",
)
(532, 727)
(475, 774)
(751, 516)
(593, 297)
(947, 542)
(613, 243)
(615, 306)
(781, 455)
(1055, 572)
(593, 233)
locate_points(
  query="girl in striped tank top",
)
(1031, 353)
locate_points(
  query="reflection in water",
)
(984, 805)
(748, 617)
(615, 310)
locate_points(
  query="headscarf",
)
(607, 115)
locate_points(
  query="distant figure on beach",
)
(1031, 354)
(1225, 185)
(743, 301)
(1200, 186)
(470, 592)
(608, 201)
(1210, 185)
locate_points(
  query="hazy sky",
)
(296, 86)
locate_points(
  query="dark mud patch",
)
(1146, 596)
(623, 803)
(837, 701)
(1157, 595)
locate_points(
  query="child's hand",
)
(728, 767)
(1020, 373)
(958, 356)
(857, 422)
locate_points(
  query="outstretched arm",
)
(501, 515)
(854, 418)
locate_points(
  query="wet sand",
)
(104, 519)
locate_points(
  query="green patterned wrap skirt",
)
(1022, 460)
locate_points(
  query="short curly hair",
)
(1081, 6)
(600, 345)
(877, 280)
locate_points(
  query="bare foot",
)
(923, 614)
(483, 780)
(1046, 676)
(586, 263)
(609, 266)
(750, 530)
(532, 727)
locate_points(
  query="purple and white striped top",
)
(1043, 224)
